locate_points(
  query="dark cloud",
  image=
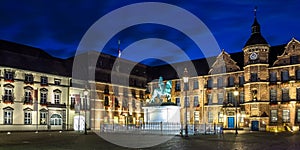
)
(57, 26)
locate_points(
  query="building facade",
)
(257, 89)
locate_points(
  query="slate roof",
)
(29, 58)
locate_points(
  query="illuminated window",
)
(210, 117)
(43, 117)
(286, 115)
(56, 119)
(220, 117)
(298, 115)
(273, 95)
(43, 96)
(274, 116)
(8, 115)
(27, 116)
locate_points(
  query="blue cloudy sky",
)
(58, 26)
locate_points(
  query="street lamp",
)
(236, 93)
(85, 93)
(186, 81)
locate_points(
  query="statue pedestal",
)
(165, 117)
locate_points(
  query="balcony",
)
(7, 99)
(56, 105)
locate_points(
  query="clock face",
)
(253, 56)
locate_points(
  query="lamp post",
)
(85, 93)
(186, 81)
(236, 93)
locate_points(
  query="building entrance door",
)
(254, 126)
(230, 122)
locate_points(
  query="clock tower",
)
(256, 63)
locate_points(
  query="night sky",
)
(58, 26)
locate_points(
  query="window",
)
(196, 101)
(196, 84)
(8, 94)
(230, 81)
(298, 74)
(177, 85)
(141, 95)
(298, 94)
(285, 95)
(220, 98)
(196, 116)
(55, 120)
(177, 101)
(125, 103)
(298, 115)
(133, 103)
(125, 92)
(8, 75)
(106, 101)
(116, 102)
(43, 96)
(133, 93)
(273, 95)
(294, 60)
(286, 115)
(273, 116)
(57, 95)
(241, 81)
(230, 97)
(28, 79)
(27, 117)
(8, 115)
(220, 82)
(210, 117)
(273, 77)
(186, 102)
(44, 80)
(116, 91)
(43, 117)
(106, 89)
(284, 76)
(220, 117)
(209, 98)
(254, 77)
(57, 81)
(72, 106)
(242, 97)
(209, 83)
(56, 98)
(28, 95)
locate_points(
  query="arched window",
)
(57, 95)
(28, 95)
(55, 119)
